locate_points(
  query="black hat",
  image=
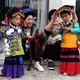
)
(50, 13)
(12, 12)
(28, 11)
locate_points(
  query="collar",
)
(13, 26)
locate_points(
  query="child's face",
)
(65, 17)
(16, 20)
(54, 30)
(29, 21)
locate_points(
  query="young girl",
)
(30, 30)
(13, 62)
(69, 62)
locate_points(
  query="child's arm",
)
(74, 16)
(74, 29)
(50, 25)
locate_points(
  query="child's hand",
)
(73, 10)
(62, 26)
(28, 37)
(41, 32)
(74, 16)
(67, 29)
(54, 16)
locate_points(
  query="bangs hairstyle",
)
(64, 12)
(29, 13)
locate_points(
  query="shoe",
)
(38, 66)
(51, 65)
(65, 74)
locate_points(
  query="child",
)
(69, 62)
(13, 62)
(2, 38)
(30, 30)
(52, 50)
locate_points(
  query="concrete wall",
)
(55, 4)
(69, 2)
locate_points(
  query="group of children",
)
(33, 40)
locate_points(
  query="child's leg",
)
(1, 68)
(51, 64)
(9, 78)
(49, 52)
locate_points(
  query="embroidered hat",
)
(65, 8)
(12, 12)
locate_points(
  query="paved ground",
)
(46, 75)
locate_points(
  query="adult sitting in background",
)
(31, 34)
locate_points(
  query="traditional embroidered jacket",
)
(14, 43)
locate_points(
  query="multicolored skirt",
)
(12, 67)
(70, 61)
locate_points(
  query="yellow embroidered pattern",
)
(18, 13)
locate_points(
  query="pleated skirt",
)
(70, 61)
(12, 67)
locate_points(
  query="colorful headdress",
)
(64, 8)
(12, 12)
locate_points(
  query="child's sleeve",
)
(76, 28)
(60, 31)
(2, 31)
(47, 33)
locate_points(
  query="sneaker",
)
(38, 66)
(51, 65)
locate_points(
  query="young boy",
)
(52, 49)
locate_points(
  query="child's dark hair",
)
(64, 12)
